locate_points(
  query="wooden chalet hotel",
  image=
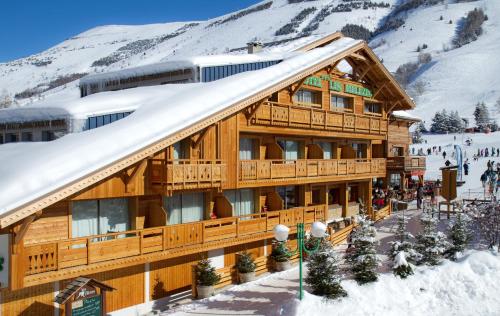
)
(206, 170)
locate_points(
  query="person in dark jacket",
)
(444, 154)
(466, 168)
(420, 196)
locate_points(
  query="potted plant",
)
(281, 257)
(206, 278)
(246, 267)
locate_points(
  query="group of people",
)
(491, 177)
(486, 152)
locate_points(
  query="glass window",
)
(92, 122)
(395, 180)
(27, 136)
(352, 193)
(247, 146)
(327, 149)
(337, 102)
(97, 217)
(333, 196)
(307, 96)
(360, 150)
(184, 208)
(397, 151)
(47, 136)
(289, 196)
(290, 149)
(242, 201)
(107, 119)
(100, 121)
(373, 107)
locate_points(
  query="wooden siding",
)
(51, 226)
(33, 301)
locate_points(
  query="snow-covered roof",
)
(34, 171)
(184, 63)
(70, 106)
(406, 116)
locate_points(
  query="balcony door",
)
(242, 201)
(327, 149)
(290, 149)
(289, 195)
(96, 217)
(184, 208)
(247, 148)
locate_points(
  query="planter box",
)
(246, 277)
(205, 291)
(282, 266)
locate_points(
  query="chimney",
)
(254, 47)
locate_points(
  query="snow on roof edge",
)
(405, 115)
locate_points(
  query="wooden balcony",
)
(406, 163)
(308, 170)
(284, 115)
(72, 257)
(182, 174)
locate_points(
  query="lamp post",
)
(318, 230)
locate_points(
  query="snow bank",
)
(32, 170)
(467, 287)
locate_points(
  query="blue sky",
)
(30, 26)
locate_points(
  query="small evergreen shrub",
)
(280, 252)
(205, 273)
(459, 234)
(431, 244)
(245, 263)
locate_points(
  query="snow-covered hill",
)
(115, 47)
(454, 79)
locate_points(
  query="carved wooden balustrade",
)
(71, 253)
(308, 169)
(185, 174)
(284, 115)
(407, 163)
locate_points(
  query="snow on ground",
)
(472, 186)
(467, 287)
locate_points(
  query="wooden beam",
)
(204, 132)
(333, 66)
(380, 89)
(358, 56)
(254, 108)
(364, 73)
(293, 91)
(25, 225)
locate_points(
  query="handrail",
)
(67, 253)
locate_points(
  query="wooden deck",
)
(185, 174)
(284, 115)
(84, 254)
(308, 170)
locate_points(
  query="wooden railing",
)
(254, 170)
(75, 252)
(283, 115)
(407, 163)
(184, 174)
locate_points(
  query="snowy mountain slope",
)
(139, 45)
(456, 79)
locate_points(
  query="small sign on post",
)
(84, 297)
(449, 186)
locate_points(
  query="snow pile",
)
(467, 287)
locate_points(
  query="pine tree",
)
(455, 122)
(206, 274)
(440, 122)
(481, 115)
(363, 259)
(460, 234)
(431, 244)
(323, 273)
(403, 242)
(401, 267)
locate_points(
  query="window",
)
(352, 193)
(373, 107)
(247, 146)
(184, 208)
(307, 97)
(11, 138)
(96, 217)
(27, 136)
(48, 136)
(327, 149)
(340, 103)
(289, 196)
(398, 151)
(395, 180)
(180, 150)
(290, 149)
(359, 150)
(316, 196)
(333, 196)
(242, 201)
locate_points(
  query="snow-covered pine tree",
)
(455, 122)
(363, 259)
(401, 266)
(440, 122)
(431, 244)
(403, 242)
(459, 234)
(487, 217)
(323, 273)
(481, 115)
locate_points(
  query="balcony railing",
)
(407, 163)
(185, 174)
(283, 115)
(312, 169)
(71, 253)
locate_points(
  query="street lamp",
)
(318, 230)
